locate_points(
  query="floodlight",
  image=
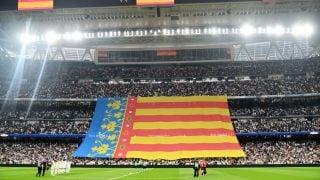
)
(278, 30)
(247, 30)
(77, 36)
(213, 31)
(308, 29)
(178, 31)
(302, 30)
(51, 37)
(187, 31)
(67, 36)
(205, 31)
(26, 38)
(260, 30)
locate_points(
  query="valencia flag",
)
(161, 128)
(154, 2)
(29, 5)
(177, 127)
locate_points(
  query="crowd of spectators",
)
(259, 86)
(46, 114)
(62, 81)
(76, 119)
(66, 79)
(75, 70)
(271, 111)
(292, 124)
(268, 152)
(44, 127)
(277, 125)
(30, 153)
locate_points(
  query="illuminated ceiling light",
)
(164, 31)
(308, 29)
(247, 30)
(219, 30)
(25, 38)
(225, 31)
(51, 37)
(187, 31)
(278, 30)
(300, 30)
(269, 30)
(67, 36)
(77, 36)
(85, 35)
(213, 31)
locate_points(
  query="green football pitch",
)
(310, 173)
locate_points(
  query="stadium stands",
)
(266, 152)
(73, 80)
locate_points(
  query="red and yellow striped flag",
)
(177, 127)
(154, 2)
(24, 5)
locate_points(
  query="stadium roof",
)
(106, 20)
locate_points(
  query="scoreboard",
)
(11, 5)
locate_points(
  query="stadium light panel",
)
(51, 37)
(260, 30)
(187, 31)
(247, 30)
(28, 38)
(308, 29)
(305, 30)
(278, 30)
(205, 30)
(219, 30)
(67, 36)
(172, 32)
(77, 36)
(213, 31)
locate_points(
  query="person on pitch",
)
(203, 166)
(39, 166)
(196, 168)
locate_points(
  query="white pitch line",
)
(130, 174)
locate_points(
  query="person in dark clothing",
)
(44, 167)
(196, 168)
(39, 166)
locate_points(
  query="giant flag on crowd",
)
(161, 128)
(24, 5)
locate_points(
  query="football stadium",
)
(160, 89)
